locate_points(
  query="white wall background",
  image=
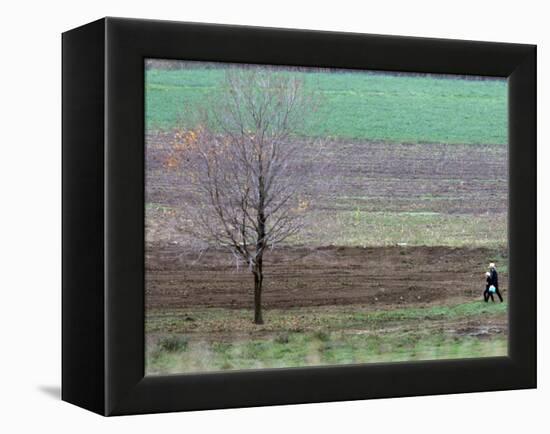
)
(30, 215)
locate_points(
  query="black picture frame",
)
(103, 216)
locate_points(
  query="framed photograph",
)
(257, 216)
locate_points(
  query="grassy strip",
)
(310, 349)
(356, 106)
(187, 342)
(217, 320)
(366, 228)
(298, 350)
(384, 228)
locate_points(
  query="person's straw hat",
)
(492, 265)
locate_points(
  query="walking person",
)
(487, 293)
(493, 277)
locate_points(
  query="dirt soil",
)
(382, 277)
(452, 179)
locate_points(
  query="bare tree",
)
(246, 169)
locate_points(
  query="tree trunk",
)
(260, 245)
(258, 279)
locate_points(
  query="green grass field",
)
(220, 339)
(356, 105)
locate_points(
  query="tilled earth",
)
(383, 277)
(453, 179)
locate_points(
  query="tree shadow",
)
(51, 391)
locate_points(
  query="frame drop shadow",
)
(52, 391)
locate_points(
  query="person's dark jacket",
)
(494, 278)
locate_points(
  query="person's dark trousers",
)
(493, 280)
(487, 294)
